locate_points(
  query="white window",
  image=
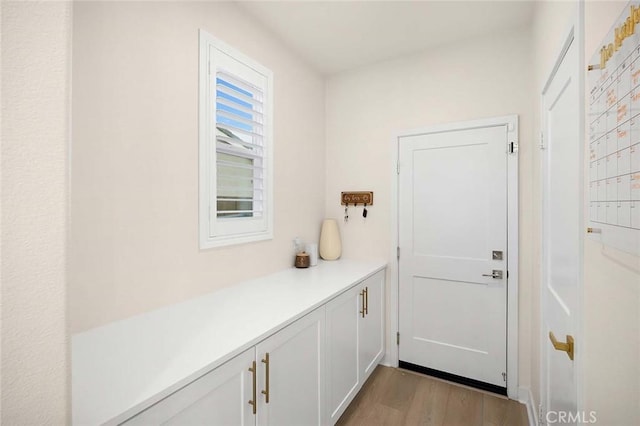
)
(236, 151)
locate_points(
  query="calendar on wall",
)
(614, 135)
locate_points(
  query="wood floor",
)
(397, 397)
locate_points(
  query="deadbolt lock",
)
(496, 255)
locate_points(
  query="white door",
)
(290, 372)
(453, 253)
(561, 222)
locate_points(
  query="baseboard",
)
(526, 397)
(387, 361)
(387, 364)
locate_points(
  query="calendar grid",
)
(614, 143)
(613, 125)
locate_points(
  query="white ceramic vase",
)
(330, 244)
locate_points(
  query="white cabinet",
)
(294, 382)
(306, 339)
(355, 341)
(217, 398)
(282, 377)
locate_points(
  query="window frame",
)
(214, 231)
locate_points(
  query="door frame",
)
(511, 121)
(574, 34)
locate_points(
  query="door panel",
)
(453, 216)
(431, 298)
(450, 202)
(561, 162)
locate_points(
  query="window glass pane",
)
(235, 186)
(234, 87)
(239, 151)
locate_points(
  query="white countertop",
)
(120, 368)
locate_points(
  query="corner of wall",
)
(526, 397)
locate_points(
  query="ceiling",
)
(334, 36)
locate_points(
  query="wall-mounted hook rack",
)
(356, 197)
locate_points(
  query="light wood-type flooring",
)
(397, 397)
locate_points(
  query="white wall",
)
(484, 77)
(611, 294)
(134, 178)
(35, 50)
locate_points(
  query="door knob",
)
(562, 346)
(496, 273)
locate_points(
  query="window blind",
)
(240, 156)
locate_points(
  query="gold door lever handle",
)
(562, 346)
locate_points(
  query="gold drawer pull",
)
(366, 300)
(562, 346)
(363, 311)
(253, 373)
(266, 367)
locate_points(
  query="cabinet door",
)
(372, 325)
(343, 314)
(293, 377)
(220, 397)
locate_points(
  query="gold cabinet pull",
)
(265, 392)
(562, 346)
(363, 311)
(366, 300)
(252, 402)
